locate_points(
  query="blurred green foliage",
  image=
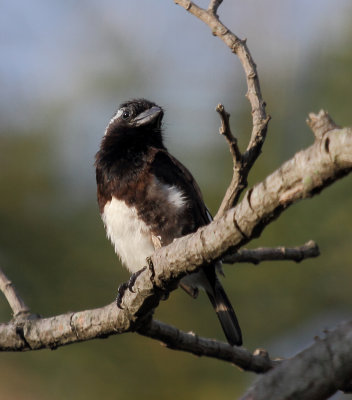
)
(59, 258)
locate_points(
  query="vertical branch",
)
(238, 181)
(213, 6)
(15, 301)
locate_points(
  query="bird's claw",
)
(120, 292)
(127, 285)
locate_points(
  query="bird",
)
(147, 199)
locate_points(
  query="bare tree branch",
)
(225, 130)
(38, 333)
(15, 301)
(60, 330)
(255, 256)
(314, 374)
(260, 119)
(175, 339)
(239, 177)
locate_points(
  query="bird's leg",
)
(127, 285)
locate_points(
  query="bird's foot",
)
(127, 285)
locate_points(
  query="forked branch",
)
(260, 119)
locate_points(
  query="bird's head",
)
(133, 130)
(136, 117)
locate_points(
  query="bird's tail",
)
(225, 313)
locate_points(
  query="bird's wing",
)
(168, 170)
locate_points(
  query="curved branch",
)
(239, 47)
(260, 119)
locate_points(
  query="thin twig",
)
(15, 301)
(225, 130)
(239, 178)
(255, 256)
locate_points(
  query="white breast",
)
(129, 235)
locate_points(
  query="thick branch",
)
(255, 256)
(39, 333)
(305, 175)
(15, 301)
(315, 373)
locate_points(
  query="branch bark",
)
(18, 306)
(255, 256)
(175, 339)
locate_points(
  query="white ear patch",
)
(117, 115)
(114, 118)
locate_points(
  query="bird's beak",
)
(149, 116)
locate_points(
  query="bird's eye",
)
(125, 114)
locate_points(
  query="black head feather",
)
(135, 116)
(134, 128)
